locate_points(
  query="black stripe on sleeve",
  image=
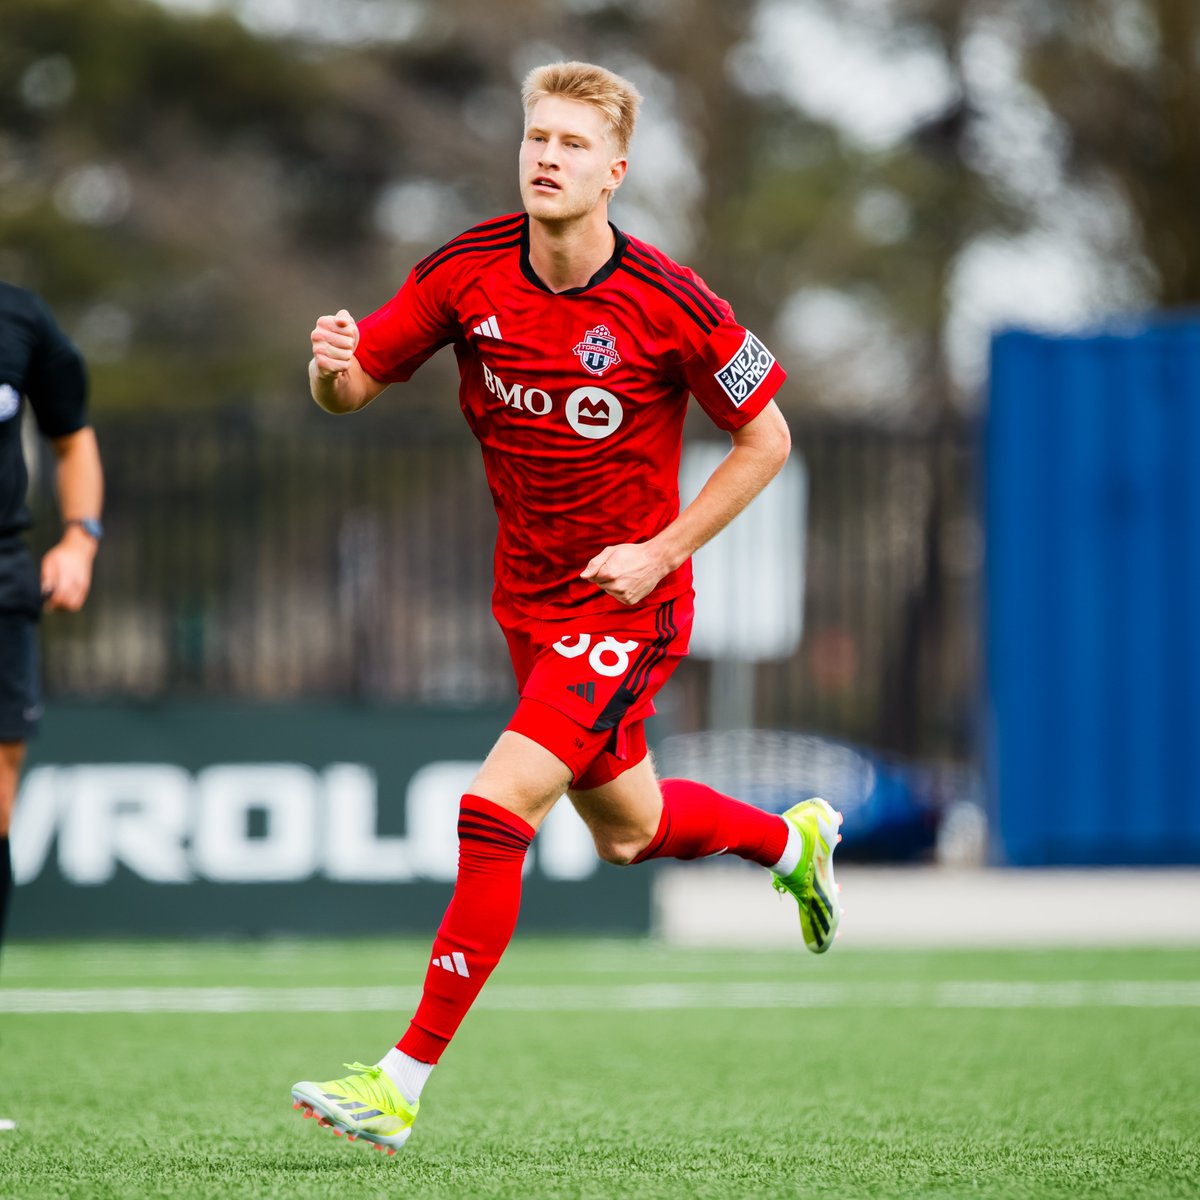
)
(688, 286)
(478, 233)
(705, 323)
(456, 250)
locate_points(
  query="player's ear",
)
(616, 173)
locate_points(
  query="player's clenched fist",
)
(628, 573)
(333, 341)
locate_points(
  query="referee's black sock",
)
(5, 883)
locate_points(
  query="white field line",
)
(609, 998)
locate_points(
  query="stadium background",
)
(968, 227)
(987, 650)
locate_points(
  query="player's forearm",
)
(342, 391)
(78, 475)
(755, 459)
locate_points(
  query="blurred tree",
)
(189, 192)
(158, 172)
(1124, 78)
(875, 234)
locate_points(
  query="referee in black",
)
(40, 366)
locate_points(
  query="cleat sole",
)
(332, 1120)
(815, 889)
(829, 886)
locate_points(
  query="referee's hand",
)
(67, 572)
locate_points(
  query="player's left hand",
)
(67, 572)
(629, 572)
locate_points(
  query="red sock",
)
(698, 821)
(477, 926)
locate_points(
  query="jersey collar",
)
(600, 276)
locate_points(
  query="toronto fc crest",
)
(598, 350)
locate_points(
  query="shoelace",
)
(802, 893)
(369, 1084)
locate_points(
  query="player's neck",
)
(566, 255)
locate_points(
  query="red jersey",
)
(577, 398)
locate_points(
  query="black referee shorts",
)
(20, 670)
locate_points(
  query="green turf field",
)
(608, 1069)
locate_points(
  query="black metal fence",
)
(353, 558)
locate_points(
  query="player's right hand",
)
(333, 341)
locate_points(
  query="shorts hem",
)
(590, 755)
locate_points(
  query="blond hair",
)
(615, 97)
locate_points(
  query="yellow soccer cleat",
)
(812, 883)
(367, 1105)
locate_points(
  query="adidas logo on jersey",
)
(585, 691)
(489, 329)
(454, 963)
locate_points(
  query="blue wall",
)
(1093, 596)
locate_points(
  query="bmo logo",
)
(593, 413)
(531, 400)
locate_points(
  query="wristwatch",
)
(90, 525)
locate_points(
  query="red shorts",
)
(588, 683)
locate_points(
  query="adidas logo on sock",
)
(586, 691)
(454, 963)
(488, 328)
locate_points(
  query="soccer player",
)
(578, 346)
(39, 363)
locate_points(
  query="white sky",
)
(332, 21)
(839, 66)
(845, 71)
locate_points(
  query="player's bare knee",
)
(619, 850)
(616, 853)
